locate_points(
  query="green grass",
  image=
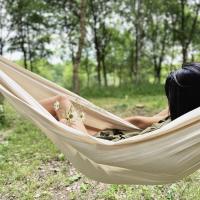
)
(31, 167)
(144, 89)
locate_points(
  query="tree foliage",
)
(110, 42)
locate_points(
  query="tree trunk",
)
(138, 43)
(104, 71)
(87, 70)
(96, 44)
(1, 47)
(120, 75)
(98, 55)
(158, 64)
(173, 45)
(2, 113)
(30, 57)
(25, 58)
(24, 52)
(76, 81)
(132, 64)
(135, 69)
(193, 58)
(184, 54)
(162, 53)
(98, 66)
(1, 28)
(187, 39)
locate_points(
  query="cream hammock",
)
(162, 156)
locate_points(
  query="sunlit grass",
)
(32, 167)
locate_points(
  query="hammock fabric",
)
(162, 156)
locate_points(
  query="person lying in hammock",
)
(182, 92)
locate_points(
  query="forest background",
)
(87, 43)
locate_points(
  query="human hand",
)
(141, 121)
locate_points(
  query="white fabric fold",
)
(162, 156)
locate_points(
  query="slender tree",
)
(135, 13)
(29, 27)
(4, 27)
(4, 35)
(76, 64)
(185, 20)
(99, 12)
(158, 35)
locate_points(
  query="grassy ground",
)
(31, 167)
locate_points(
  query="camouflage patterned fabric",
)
(116, 134)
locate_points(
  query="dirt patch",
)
(80, 188)
(1, 138)
(51, 167)
(4, 134)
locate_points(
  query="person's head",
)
(182, 89)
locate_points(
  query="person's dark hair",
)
(182, 89)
